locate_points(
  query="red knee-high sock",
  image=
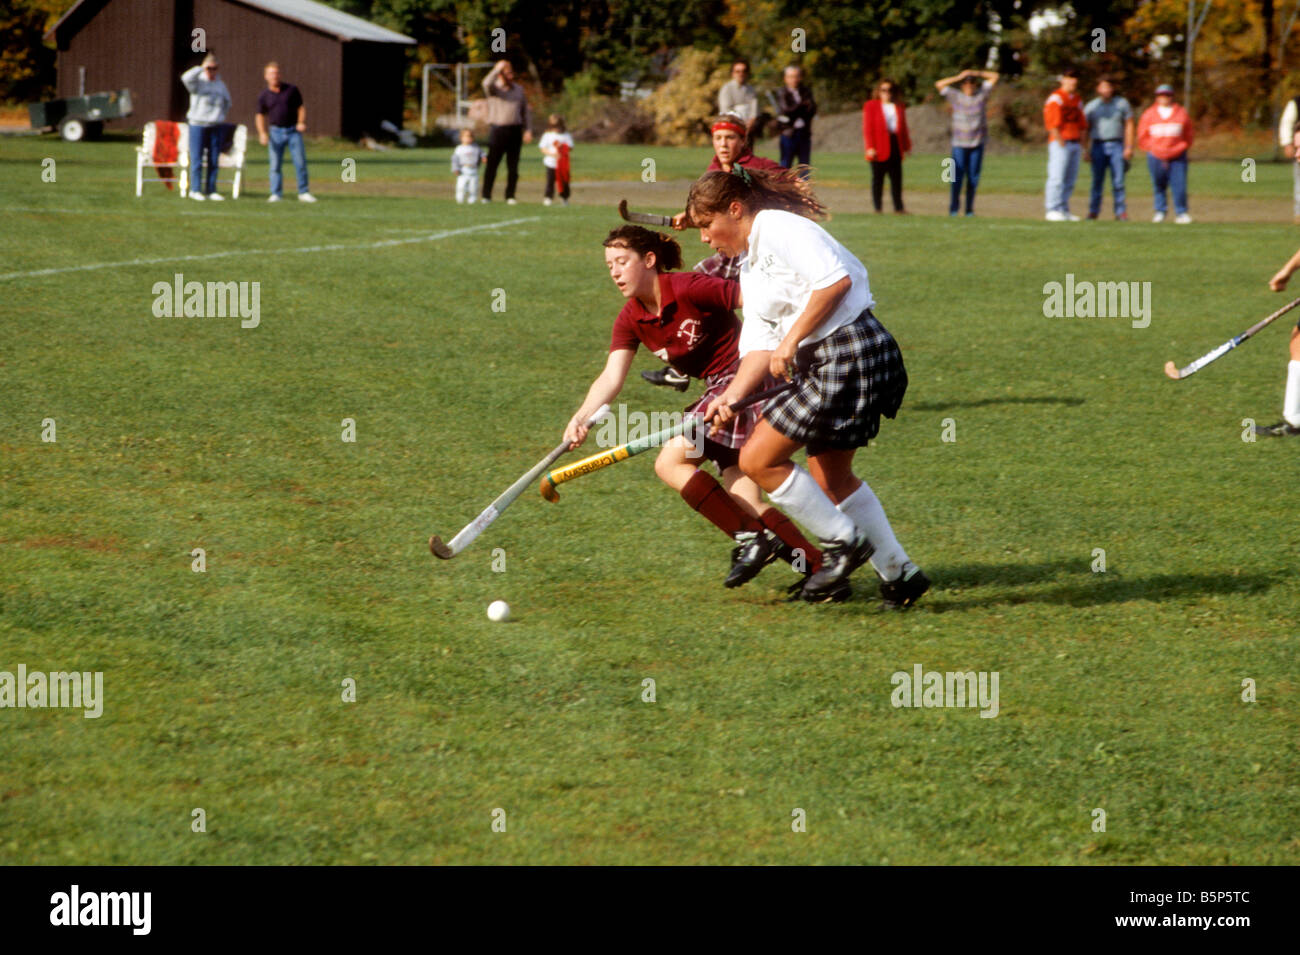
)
(784, 528)
(707, 496)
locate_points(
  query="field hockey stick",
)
(647, 218)
(624, 451)
(493, 510)
(1177, 374)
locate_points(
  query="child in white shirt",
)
(551, 141)
(465, 160)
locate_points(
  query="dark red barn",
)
(351, 72)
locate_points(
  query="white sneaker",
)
(217, 197)
(486, 199)
(272, 198)
(198, 196)
(512, 202)
(1183, 219)
(546, 202)
(306, 197)
(1055, 216)
(1071, 217)
(565, 201)
(1158, 217)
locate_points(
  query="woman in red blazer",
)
(885, 140)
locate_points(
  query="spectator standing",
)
(553, 142)
(465, 160)
(970, 128)
(509, 119)
(281, 121)
(1066, 129)
(739, 98)
(885, 139)
(1287, 135)
(1110, 134)
(1165, 135)
(209, 104)
(797, 109)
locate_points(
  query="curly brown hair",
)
(755, 190)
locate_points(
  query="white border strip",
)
(432, 237)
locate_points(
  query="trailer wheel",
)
(72, 130)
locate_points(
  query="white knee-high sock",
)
(1291, 403)
(869, 515)
(803, 499)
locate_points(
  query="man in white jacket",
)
(1286, 135)
(209, 104)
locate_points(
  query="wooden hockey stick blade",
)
(1172, 370)
(642, 218)
(439, 549)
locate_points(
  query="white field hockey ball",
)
(498, 610)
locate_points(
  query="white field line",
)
(336, 247)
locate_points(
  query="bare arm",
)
(820, 304)
(302, 119)
(1129, 135)
(261, 128)
(992, 76)
(753, 368)
(602, 392)
(949, 80)
(1278, 281)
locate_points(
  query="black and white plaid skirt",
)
(849, 379)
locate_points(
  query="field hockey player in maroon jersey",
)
(689, 319)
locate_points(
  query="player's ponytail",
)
(668, 254)
(755, 190)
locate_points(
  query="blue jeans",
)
(796, 144)
(1170, 174)
(281, 136)
(968, 161)
(1107, 156)
(1062, 171)
(204, 140)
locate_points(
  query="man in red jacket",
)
(1165, 133)
(1066, 130)
(885, 139)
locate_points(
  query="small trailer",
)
(80, 117)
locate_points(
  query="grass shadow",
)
(986, 402)
(1082, 589)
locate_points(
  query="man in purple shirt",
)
(281, 121)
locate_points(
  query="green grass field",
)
(1119, 690)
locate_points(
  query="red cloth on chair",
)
(562, 167)
(165, 149)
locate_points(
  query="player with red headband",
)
(730, 149)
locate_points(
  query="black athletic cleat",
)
(839, 559)
(906, 590)
(753, 552)
(668, 378)
(1282, 429)
(838, 593)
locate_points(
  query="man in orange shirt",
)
(1066, 130)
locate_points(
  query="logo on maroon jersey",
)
(687, 330)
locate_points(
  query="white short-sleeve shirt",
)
(789, 258)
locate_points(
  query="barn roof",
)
(307, 12)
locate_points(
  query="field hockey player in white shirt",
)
(807, 310)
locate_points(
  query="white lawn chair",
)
(144, 157)
(234, 159)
